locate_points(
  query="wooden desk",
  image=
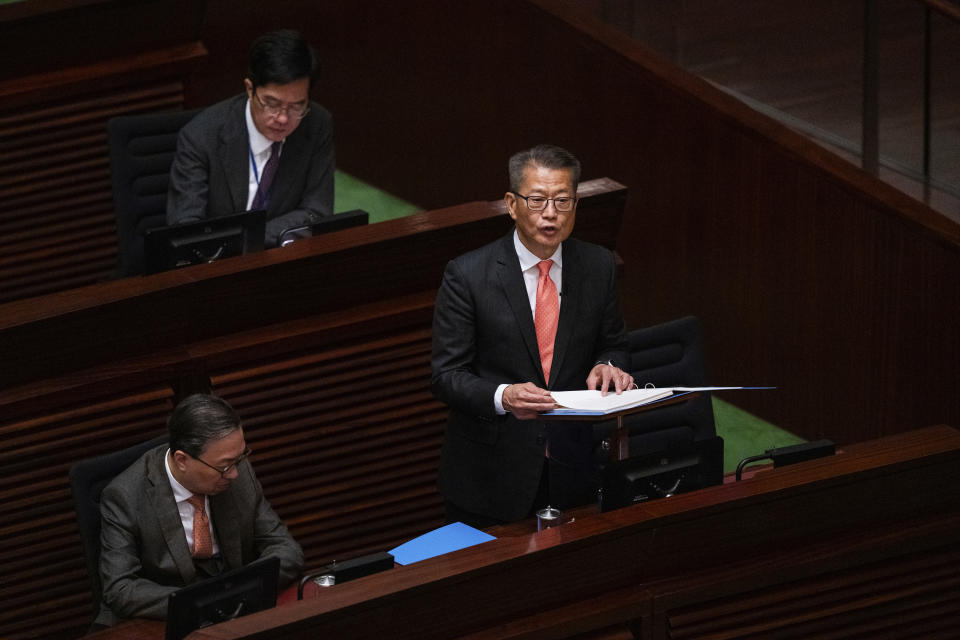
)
(846, 542)
(322, 346)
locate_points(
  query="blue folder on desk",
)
(438, 542)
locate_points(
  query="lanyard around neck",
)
(253, 163)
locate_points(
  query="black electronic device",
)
(783, 456)
(661, 474)
(352, 569)
(319, 225)
(208, 240)
(232, 594)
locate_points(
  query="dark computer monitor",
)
(230, 595)
(326, 224)
(181, 245)
(660, 474)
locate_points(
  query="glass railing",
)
(876, 81)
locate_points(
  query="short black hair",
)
(198, 420)
(547, 156)
(280, 57)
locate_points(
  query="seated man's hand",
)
(609, 378)
(526, 400)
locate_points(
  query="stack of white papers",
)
(592, 401)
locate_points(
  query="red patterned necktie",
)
(545, 316)
(262, 197)
(202, 544)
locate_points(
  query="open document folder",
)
(451, 537)
(591, 403)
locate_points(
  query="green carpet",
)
(745, 435)
(352, 193)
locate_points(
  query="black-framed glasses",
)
(539, 203)
(230, 467)
(274, 110)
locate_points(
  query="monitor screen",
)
(230, 595)
(181, 245)
(661, 474)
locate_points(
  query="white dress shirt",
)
(531, 276)
(181, 494)
(259, 154)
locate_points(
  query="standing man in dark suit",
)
(500, 344)
(185, 512)
(269, 148)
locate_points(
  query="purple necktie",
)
(262, 198)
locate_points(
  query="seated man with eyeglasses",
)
(268, 148)
(185, 512)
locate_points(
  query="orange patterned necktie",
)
(545, 316)
(202, 544)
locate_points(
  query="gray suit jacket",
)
(144, 555)
(483, 335)
(211, 170)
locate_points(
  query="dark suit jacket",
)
(144, 554)
(483, 335)
(211, 170)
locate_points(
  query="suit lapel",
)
(234, 153)
(225, 515)
(515, 291)
(165, 507)
(569, 306)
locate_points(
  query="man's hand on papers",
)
(607, 377)
(526, 400)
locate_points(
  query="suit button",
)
(541, 439)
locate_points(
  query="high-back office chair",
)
(88, 478)
(141, 152)
(666, 355)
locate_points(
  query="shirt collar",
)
(259, 143)
(180, 492)
(528, 260)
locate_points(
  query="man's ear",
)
(180, 459)
(510, 200)
(248, 85)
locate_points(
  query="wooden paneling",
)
(915, 595)
(324, 349)
(806, 273)
(351, 434)
(804, 270)
(69, 331)
(749, 560)
(41, 551)
(57, 227)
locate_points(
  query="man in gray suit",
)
(533, 312)
(269, 148)
(185, 512)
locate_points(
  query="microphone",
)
(312, 220)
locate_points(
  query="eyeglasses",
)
(273, 110)
(539, 203)
(230, 467)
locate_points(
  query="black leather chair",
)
(88, 478)
(141, 152)
(666, 355)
